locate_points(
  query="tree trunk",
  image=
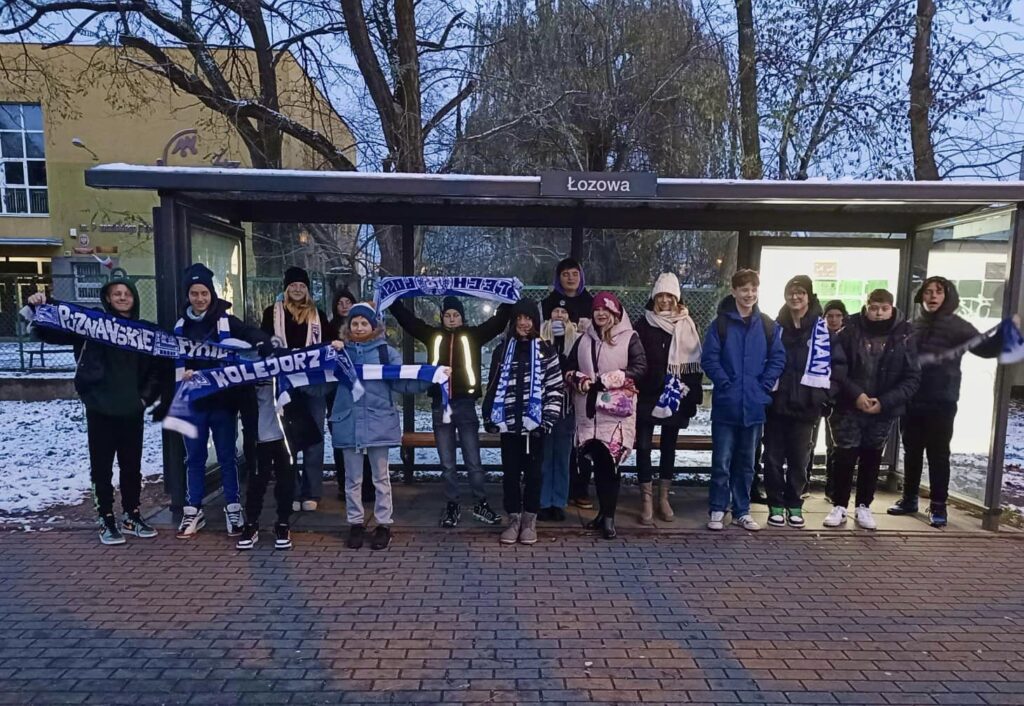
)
(750, 123)
(921, 94)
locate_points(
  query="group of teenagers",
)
(574, 386)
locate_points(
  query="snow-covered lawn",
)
(44, 456)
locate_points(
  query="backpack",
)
(722, 324)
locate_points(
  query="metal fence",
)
(19, 352)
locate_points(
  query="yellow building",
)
(65, 109)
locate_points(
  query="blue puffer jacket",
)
(373, 420)
(742, 368)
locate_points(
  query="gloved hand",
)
(264, 349)
(491, 428)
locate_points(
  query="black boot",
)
(596, 523)
(903, 506)
(608, 527)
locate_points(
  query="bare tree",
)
(921, 94)
(749, 115)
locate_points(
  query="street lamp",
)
(77, 142)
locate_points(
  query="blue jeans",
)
(309, 479)
(465, 421)
(223, 424)
(554, 488)
(732, 466)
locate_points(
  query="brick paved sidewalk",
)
(454, 618)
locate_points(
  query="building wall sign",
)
(599, 185)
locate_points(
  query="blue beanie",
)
(198, 273)
(365, 310)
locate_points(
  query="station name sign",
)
(599, 185)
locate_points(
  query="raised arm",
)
(494, 325)
(410, 323)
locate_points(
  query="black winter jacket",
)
(450, 346)
(938, 332)
(790, 398)
(650, 385)
(579, 307)
(898, 373)
(110, 381)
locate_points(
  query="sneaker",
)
(452, 515)
(937, 516)
(716, 521)
(309, 505)
(903, 506)
(282, 536)
(795, 516)
(192, 520)
(133, 524)
(483, 512)
(381, 537)
(864, 518)
(557, 514)
(356, 534)
(233, 519)
(297, 506)
(777, 517)
(250, 536)
(511, 533)
(836, 517)
(110, 533)
(746, 522)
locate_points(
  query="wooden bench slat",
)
(425, 440)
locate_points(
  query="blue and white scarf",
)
(818, 369)
(307, 366)
(131, 334)
(671, 397)
(499, 289)
(1012, 348)
(533, 414)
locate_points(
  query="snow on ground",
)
(11, 356)
(44, 456)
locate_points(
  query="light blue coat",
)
(373, 420)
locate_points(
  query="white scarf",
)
(685, 351)
(313, 333)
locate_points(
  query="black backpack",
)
(722, 323)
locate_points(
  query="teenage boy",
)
(743, 356)
(458, 346)
(882, 375)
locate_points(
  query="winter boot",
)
(528, 528)
(937, 515)
(511, 533)
(646, 503)
(664, 507)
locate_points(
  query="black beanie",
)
(453, 303)
(803, 282)
(836, 304)
(296, 274)
(198, 273)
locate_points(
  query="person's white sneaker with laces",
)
(233, 519)
(836, 517)
(864, 518)
(716, 521)
(746, 522)
(309, 505)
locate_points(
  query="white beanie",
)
(667, 283)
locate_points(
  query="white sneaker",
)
(716, 521)
(192, 521)
(233, 519)
(746, 522)
(836, 517)
(864, 518)
(309, 505)
(296, 506)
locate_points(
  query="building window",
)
(22, 160)
(88, 281)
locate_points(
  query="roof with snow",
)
(268, 195)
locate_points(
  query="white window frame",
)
(88, 281)
(24, 188)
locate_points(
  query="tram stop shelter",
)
(911, 229)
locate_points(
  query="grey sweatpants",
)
(383, 507)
